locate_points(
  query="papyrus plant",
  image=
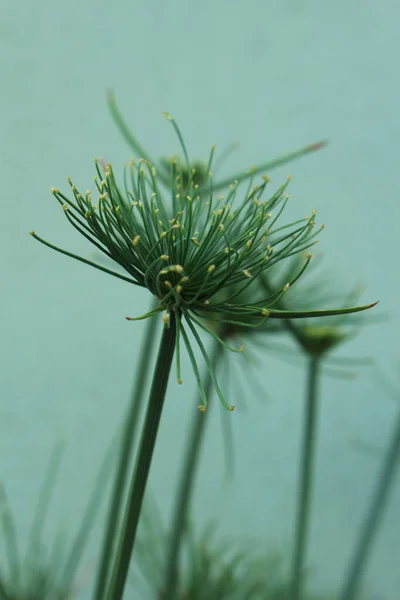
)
(186, 251)
(201, 178)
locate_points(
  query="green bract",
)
(190, 248)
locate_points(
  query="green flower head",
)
(190, 249)
(318, 339)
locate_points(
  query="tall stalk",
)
(185, 487)
(373, 516)
(142, 467)
(125, 455)
(306, 479)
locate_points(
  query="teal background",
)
(272, 76)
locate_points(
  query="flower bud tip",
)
(316, 146)
(373, 304)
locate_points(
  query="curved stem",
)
(185, 487)
(125, 453)
(142, 468)
(306, 480)
(373, 517)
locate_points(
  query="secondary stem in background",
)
(78, 546)
(3, 593)
(306, 480)
(9, 533)
(125, 455)
(185, 486)
(374, 516)
(142, 468)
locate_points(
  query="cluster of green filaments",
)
(186, 260)
(195, 252)
(205, 247)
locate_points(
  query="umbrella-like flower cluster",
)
(187, 252)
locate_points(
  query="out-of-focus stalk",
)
(185, 487)
(373, 516)
(306, 479)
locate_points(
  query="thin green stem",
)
(142, 468)
(125, 454)
(373, 516)
(186, 484)
(220, 185)
(10, 538)
(306, 480)
(90, 513)
(269, 165)
(84, 260)
(38, 523)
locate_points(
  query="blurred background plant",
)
(377, 503)
(48, 571)
(210, 567)
(316, 342)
